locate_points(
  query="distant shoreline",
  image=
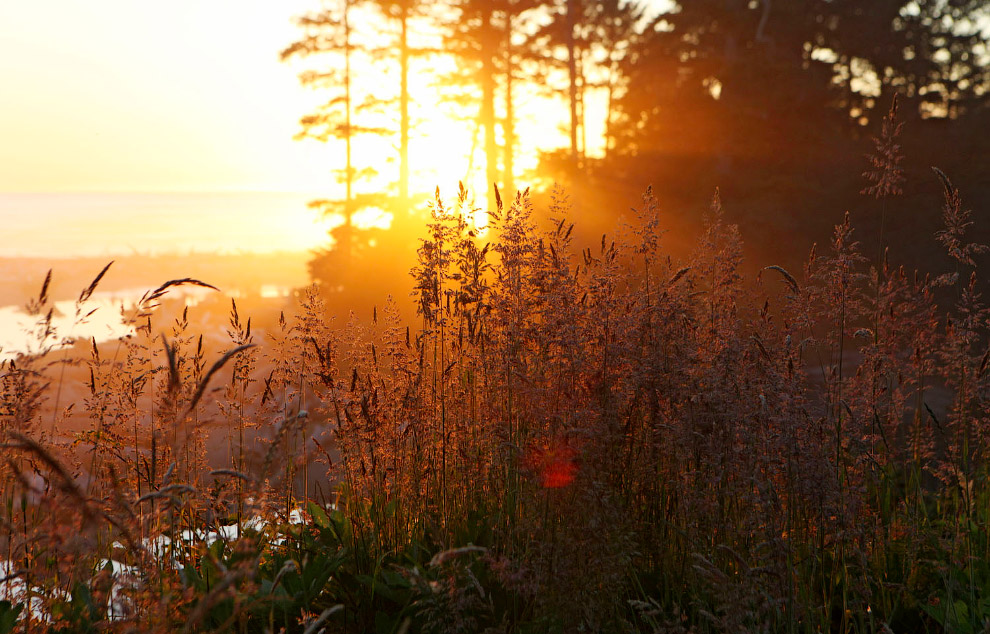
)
(21, 277)
(91, 224)
(164, 255)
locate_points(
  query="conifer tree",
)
(479, 34)
(401, 13)
(328, 33)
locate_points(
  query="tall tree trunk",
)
(510, 123)
(608, 108)
(572, 8)
(488, 102)
(404, 108)
(580, 108)
(349, 175)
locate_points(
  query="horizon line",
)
(155, 191)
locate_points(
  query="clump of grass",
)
(568, 438)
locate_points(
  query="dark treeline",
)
(769, 101)
(801, 90)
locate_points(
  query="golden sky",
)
(188, 95)
(127, 95)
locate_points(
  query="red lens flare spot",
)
(554, 465)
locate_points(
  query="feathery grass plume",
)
(886, 174)
(956, 223)
(716, 270)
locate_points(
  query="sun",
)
(446, 145)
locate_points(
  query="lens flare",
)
(553, 464)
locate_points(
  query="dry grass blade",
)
(326, 614)
(88, 291)
(289, 566)
(34, 306)
(326, 454)
(154, 495)
(180, 488)
(442, 557)
(186, 281)
(66, 482)
(43, 295)
(946, 183)
(173, 367)
(167, 492)
(763, 349)
(677, 276)
(935, 420)
(201, 388)
(168, 474)
(787, 277)
(230, 473)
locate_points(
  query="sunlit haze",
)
(692, 336)
(126, 96)
(190, 96)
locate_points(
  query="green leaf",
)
(319, 515)
(384, 623)
(8, 616)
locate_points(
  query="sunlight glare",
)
(372, 218)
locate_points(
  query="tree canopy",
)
(764, 99)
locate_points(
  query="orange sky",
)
(123, 95)
(119, 95)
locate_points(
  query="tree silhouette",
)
(763, 98)
(473, 37)
(713, 62)
(588, 38)
(328, 33)
(492, 42)
(401, 14)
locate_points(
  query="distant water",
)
(97, 224)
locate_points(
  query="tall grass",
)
(568, 439)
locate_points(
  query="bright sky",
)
(127, 95)
(186, 95)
